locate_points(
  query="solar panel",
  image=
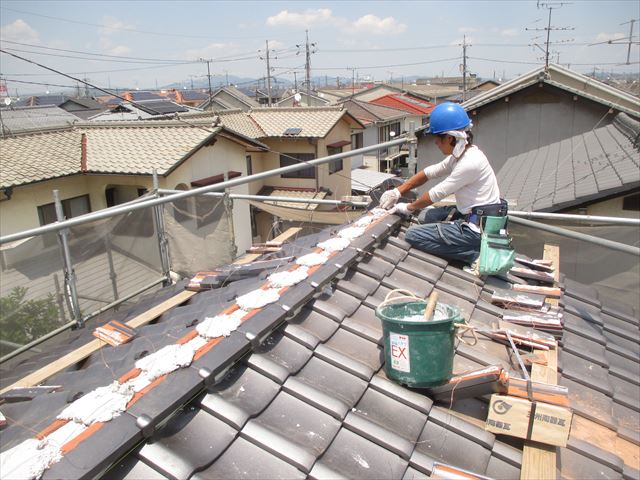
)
(160, 106)
(292, 131)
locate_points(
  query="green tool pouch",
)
(496, 252)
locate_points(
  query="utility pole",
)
(630, 37)
(464, 68)
(307, 63)
(208, 61)
(549, 6)
(268, 77)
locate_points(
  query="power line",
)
(94, 59)
(124, 29)
(371, 67)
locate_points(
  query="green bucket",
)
(418, 353)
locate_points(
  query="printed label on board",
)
(399, 345)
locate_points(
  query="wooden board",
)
(280, 238)
(83, 352)
(539, 460)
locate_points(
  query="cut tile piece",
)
(589, 403)
(185, 444)
(421, 269)
(315, 323)
(391, 415)
(501, 470)
(246, 461)
(344, 362)
(594, 453)
(375, 267)
(390, 253)
(131, 468)
(363, 322)
(399, 279)
(356, 347)
(284, 351)
(408, 397)
(300, 423)
(574, 465)
(244, 388)
(332, 381)
(390, 440)
(449, 447)
(358, 284)
(336, 306)
(353, 456)
(455, 424)
(583, 371)
(584, 328)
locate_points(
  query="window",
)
(249, 165)
(357, 140)
(385, 131)
(71, 207)
(287, 159)
(335, 165)
(631, 202)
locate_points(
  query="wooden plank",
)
(539, 460)
(280, 238)
(83, 352)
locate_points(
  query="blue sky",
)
(380, 40)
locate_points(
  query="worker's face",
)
(444, 144)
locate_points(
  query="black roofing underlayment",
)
(299, 389)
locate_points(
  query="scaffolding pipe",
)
(267, 198)
(120, 209)
(70, 287)
(621, 247)
(73, 323)
(576, 218)
(161, 234)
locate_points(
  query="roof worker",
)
(451, 232)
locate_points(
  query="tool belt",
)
(489, 210)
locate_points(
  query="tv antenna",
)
(551, 6)
(620, 41)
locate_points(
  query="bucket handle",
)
(463, 328)
(400, 294)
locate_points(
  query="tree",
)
(22, 321)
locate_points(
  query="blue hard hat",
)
(446, 117)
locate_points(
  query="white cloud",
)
(19, 31)
(112, 25)
(509, 32)
(372, 24)
(212, 50)
(119, 50)
(605, 37)
(306, 19)
(467, 29)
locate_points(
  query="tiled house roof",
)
(42, 156)
(369, 113)
(299, 390)
(26, 119)
(564, 79)
(592, 165)
(274, 122)
(405, 102)
(119, 148)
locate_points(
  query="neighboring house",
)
(100, 165)
(335, 95)
(17, 120)
(293, 135)
(191, 98)
(139, 95)
(409, 103)
(381, 125)
(312, 100)
(229, 98)
(141, 110)
(83, 107)
(374, 92)
(540, 108)
(261, 95)
(594, 173)
(473, 92)
(299, 390)
(41, 100)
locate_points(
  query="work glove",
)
(389, 198)
(402, 209)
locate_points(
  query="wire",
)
(40, 83)
(125, 29)
(49, 54)
(98, 71)
(388, 66)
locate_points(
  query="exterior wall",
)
(339, 182)
(608, 208)
(305, 102)
(533, 117)
(221, 157)
(21, 212)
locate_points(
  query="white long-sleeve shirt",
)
(470, 178)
